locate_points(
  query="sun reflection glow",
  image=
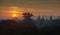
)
(14, 15)
(15, 12)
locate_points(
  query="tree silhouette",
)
(28, 22)
(27, 16)
(50, 18)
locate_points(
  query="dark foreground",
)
(11, 27)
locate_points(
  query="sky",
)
(36, 7)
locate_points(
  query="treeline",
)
(30, 27)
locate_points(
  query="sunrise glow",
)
(15, 12)
(14, 15)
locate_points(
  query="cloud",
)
(35, 6)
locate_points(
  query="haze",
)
(37, 7)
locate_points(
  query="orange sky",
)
(36, 7)
(9, 11)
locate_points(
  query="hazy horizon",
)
(36, 7)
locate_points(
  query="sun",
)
(14, 15)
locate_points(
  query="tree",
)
(50, 18)
(28, 22)
(27, 16)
